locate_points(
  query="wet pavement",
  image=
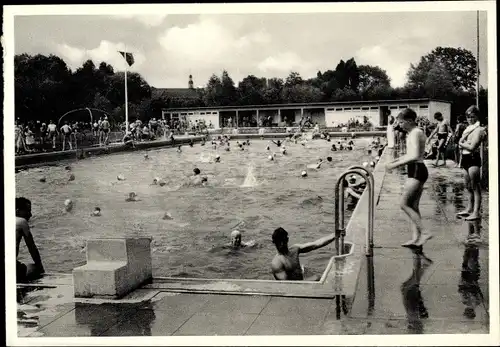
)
(443, 289)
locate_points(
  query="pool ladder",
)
(340, 231)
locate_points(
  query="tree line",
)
(46, 88)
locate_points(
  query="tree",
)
(229, 94)
(293, 79)
(460, 64)
(272, 93)
(213, 91)
(372, 78)
(250, 90)
(352, 74)
(438, 82)
(302, 93)
(41, 87)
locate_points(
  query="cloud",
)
(386, 59)
(282, 62)
(208, 42)
(151, 20)
(106, 51)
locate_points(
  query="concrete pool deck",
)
(49, 309)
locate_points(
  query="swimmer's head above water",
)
(196, 171)
(280, 239)
(236, 238)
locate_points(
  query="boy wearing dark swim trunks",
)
(417, 176)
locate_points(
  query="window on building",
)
(330, 109)
(202, 113)
(184, 114)
(424, 106)
(339, 109)
(393, 107)
(347, 109)
(214, 112)
(374, 108)
(404, 106)
(365, 108)
(356, 108)
(191, 113)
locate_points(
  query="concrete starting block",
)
(114, 268)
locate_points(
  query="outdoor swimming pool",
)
(192, 243)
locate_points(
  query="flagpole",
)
(481, 148)
(477, 65)
(126, 93)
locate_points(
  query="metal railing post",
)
(371, 209)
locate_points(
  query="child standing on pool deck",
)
(417, 176)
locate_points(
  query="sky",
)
(169, 47)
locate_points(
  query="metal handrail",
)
(339, 209)
(371, 210)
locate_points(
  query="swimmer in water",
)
(96, 212)
(132, 197)
(329, 159)
(68, 205)
(286, 263)
(316, 166)
(217, 158)
(334, 148)
(237, 243)
(277, 143)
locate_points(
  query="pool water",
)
(194, 242)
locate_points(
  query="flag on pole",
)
(129, 58)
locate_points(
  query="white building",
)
(331, 114)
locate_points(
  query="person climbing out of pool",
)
(444, 132)
(236, 241)
(179, 150)
(354, 190)
(25, 273)
(285, 265)
(128, 139)
(417, 176)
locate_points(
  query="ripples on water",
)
(189, 245)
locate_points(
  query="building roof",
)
(307, 105)
(175, 92)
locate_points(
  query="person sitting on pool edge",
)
(286, 264)
(26, 273)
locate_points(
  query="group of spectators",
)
(38, 136)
